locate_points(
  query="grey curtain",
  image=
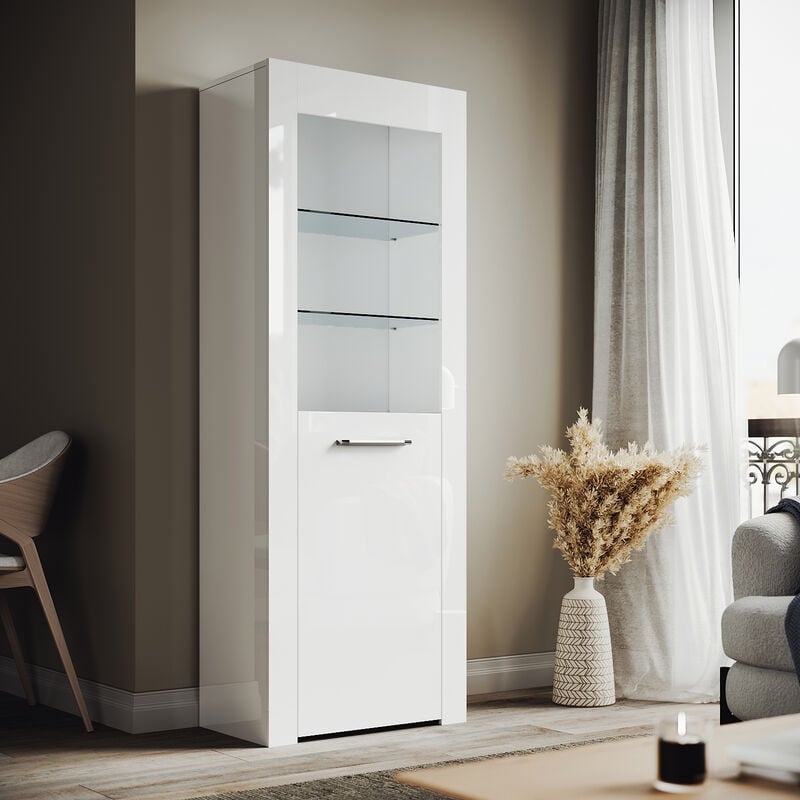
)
(665, 361)
(633, 220)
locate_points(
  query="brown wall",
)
(529, 69)
(67, 309)
(166, 389)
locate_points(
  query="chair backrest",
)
(28, 482)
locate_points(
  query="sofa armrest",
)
(766, 556)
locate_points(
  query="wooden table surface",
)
(620, 769)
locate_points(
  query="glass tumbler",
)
(682, 741)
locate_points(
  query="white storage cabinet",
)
(332, 404)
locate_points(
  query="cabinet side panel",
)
(451, 114)
(233, 540)
(282, 212)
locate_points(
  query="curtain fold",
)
(666, 332)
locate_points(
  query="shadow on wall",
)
(166, 415)
(577, 223)
(66, 310)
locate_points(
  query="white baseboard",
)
(132, 712)
(144, 712)
(502, 674)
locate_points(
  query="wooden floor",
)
(46, 754)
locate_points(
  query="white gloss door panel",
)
(369, 571)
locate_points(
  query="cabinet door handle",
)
(372, 442)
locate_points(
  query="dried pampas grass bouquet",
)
(604, 505)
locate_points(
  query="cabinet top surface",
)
(316, 67)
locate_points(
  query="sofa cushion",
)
(753, 632)
(753, 693)
(765, 556)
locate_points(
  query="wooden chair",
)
(28, 482)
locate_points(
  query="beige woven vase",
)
(583, 674)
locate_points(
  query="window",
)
(769, 197)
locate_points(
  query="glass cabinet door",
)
(369, 267)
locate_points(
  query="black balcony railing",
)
(774, 462)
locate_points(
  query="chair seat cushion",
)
(753, 632)
(11, 562)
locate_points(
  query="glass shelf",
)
(358, 318)
(334, 223)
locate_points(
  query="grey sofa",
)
(766, 575)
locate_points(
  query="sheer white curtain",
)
(666, 332)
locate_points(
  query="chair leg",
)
(43, 591)
(16, 650)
